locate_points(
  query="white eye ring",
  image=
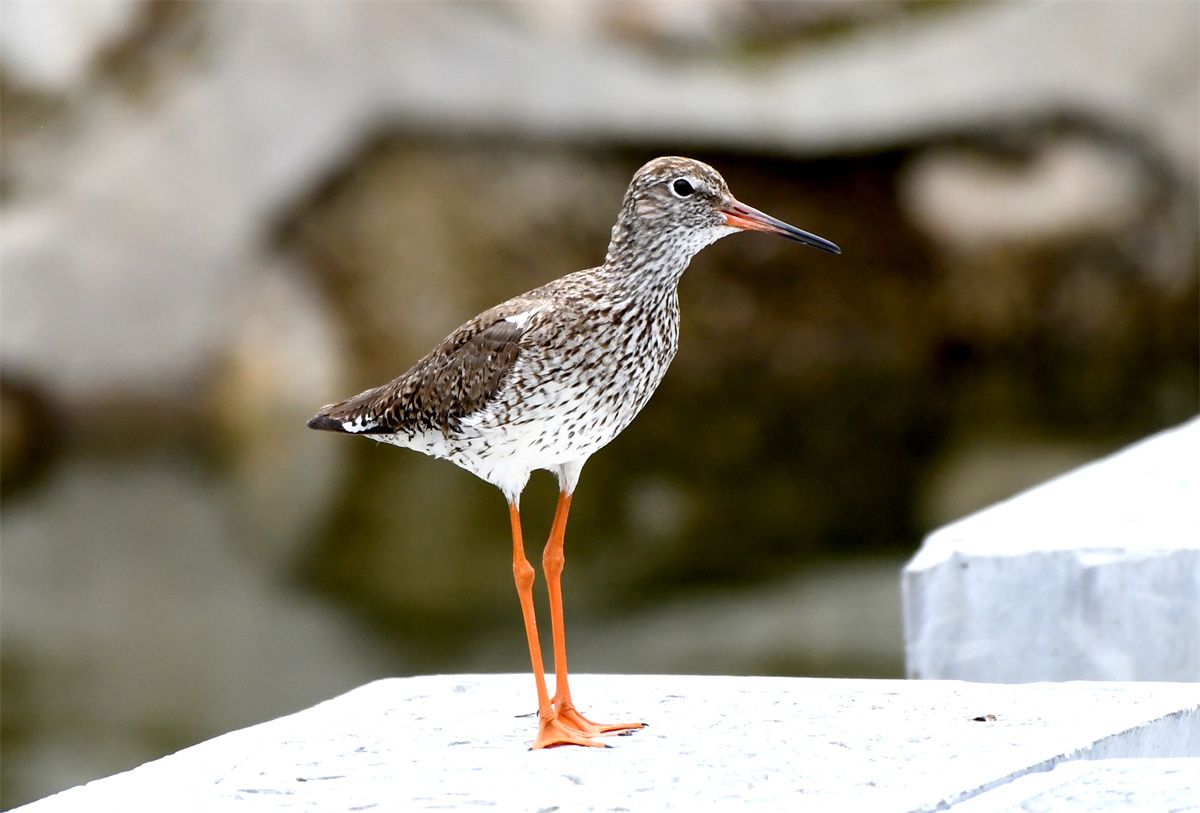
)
(682, 188)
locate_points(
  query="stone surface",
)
(1107, 785)
(1092, 576)
(761, 743)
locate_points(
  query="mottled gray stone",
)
(459, 742)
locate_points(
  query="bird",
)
(546, 379)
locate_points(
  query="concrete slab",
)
(1109, 785)
(457, 742)
(1094, 575)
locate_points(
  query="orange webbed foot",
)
(553, 731)
(570, 717)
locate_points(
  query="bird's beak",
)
(741, 216)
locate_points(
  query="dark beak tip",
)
(812, 241)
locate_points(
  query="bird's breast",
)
(576, 387)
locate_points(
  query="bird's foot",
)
(570, 717)
(554, 731)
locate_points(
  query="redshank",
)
(549, 377)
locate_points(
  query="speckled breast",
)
(572, 390)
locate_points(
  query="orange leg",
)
(552, 564)
(551, 731)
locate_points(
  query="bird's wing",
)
(459, 377)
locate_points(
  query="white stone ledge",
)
(456, 742)
(1094, 575)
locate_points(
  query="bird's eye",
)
(682, 188)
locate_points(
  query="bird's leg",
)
(552, 564)
(551, 731)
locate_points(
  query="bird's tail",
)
(359, 415)
(325, 422)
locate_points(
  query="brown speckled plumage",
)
(547, 378)
(459, 377)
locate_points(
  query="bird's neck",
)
(648, 258)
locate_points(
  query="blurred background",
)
(217, 217)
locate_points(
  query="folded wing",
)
(459, 377)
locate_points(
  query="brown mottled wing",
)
(461, 376)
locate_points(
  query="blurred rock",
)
(282, 353)
(164, 204)
(131, 631)
(51, 46)
(970, 476)
(670, 27)
(27, 433)
(833, 619)
(411, 238)
(1067, 189)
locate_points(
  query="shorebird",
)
(548, 378)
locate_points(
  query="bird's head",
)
(678, 206)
